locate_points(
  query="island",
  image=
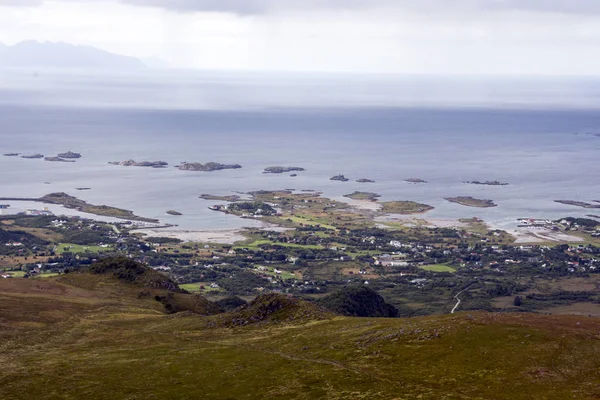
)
(33, 156)
(363, 196)
(340, 178)
(173, 212)
(404, 207)
(208, 167)
(471, 201)
(578, 203)
(11, 154)
(293, 175)
(80, 205)
(230, 198)
(58, 159)
(133, 163)
(365, 180)
(415, 180)
(281, 170)
(488, 183)
(83, 188)
(69, 154)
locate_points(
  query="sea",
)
(539, 134)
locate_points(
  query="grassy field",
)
(76, 248)
(260, 242)
(79, 336)
(191, 287)
(76, 338)
(312, 221)
(438, 268)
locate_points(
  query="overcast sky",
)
(398, 36)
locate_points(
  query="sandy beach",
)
(215, 236)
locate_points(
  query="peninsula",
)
(208, 167)
(80, 205)
(578, 203)
(469, 201)
(405, 207)
(133, 163)
(363, 196)
(230, 198)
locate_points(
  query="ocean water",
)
(536, 136)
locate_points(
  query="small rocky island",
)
(363, 196)
(58, 159)
(415, 180)
(582, 204)
(340, 178)
(133, 163)
(173, 212)
(33, 156)
(281, 170)
(11, 154)
(488, 183)
(208, 167)
(365, 180)
(69, 154)
(469, 201)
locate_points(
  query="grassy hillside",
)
(94, 336)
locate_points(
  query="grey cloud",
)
(436, 6)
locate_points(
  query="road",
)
(457, 302)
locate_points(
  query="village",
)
(418, 269)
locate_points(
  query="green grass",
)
(76, 248)
(438, 268)
(312, 221)
(260, 242)
(47, 275)
(99, 340)
(16, 274)
(191, 287)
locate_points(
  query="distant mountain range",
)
(32, 54)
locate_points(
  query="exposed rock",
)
(69, 154)
(340, 178)
(133, 163)
(471, 201)
(280, 170)
(57, 159)
(208, 167)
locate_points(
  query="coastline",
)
(208, 236)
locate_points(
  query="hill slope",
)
(92, 336)
(31, 54)
(358, 301)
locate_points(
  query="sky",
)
(522, 37)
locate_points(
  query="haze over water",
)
(536, 135)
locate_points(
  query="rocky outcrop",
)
(208, 167)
